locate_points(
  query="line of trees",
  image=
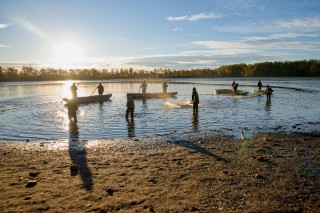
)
(302, 68)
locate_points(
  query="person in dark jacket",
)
(100, 89)
(268, 92)
(234, 86)
(144, 86)
(195, 100)
(164, 87)
(73, 90)
(259, 85)
(130, 106)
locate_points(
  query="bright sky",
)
(151, 34)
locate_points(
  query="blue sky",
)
(148, 34)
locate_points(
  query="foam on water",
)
(177, 104)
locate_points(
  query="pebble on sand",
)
(31, 183)
(33, 174)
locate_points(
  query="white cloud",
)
(287, 36)
(189, 60)
(197, 62)
(222, 44)
(196, 17)
(294, 26)
(276, 42)
(300, 23)
(4, 25)
(176, 30)
(3, 45)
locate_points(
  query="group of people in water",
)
(74, 89)
(144, 86)
(268, 91)
(73, 106)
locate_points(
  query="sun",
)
(66, 54)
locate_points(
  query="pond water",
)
(34, 111)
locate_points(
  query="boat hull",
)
(229, 92)
(151, 95)
(89, 99)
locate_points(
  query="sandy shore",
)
(268, 173)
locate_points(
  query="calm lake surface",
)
(34, 111)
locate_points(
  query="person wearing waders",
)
(195, 100)
(130, 106)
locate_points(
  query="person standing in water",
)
(144, 86)
(268, 92)
(74, 89)
(130, 106)
(234, 86)
(164, 87)
(195, 100)
(259, 85)
(100, 89)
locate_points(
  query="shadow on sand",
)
(190, 145)
(78, 156)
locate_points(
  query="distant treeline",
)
(303, 68)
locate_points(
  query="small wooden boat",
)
(89, 99)
(151, 95)
(229, 92)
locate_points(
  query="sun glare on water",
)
(65, 91)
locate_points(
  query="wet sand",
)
(268, 173)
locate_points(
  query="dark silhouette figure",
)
(164, 87)
(100, 89)
(72, 111)
(144, 86)
(130, 106)
(195, 100)
(268, 92)
(78, 156)
(259, 85)
(234, 86)
(73, 90)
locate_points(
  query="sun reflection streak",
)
(65, 90)
(63, 119)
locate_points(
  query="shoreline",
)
(270, 172)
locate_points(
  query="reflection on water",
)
(36, 111)
(268, 106)
(195, 120)
(101, 106)
(144, 103)
(74, 130)
(130, 126)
